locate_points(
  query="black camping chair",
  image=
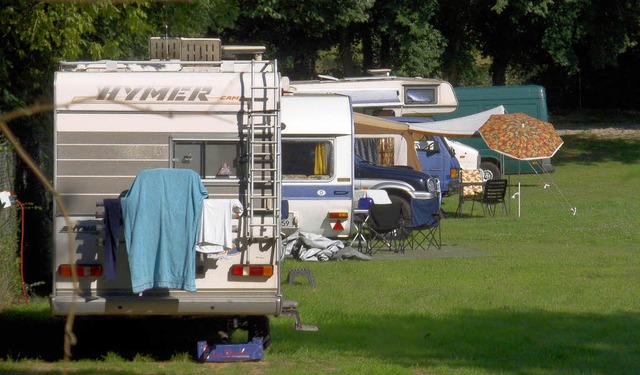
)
(492, 195)
(383, 227)
(424, 229)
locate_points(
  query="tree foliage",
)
(296, 31)
(402, 37)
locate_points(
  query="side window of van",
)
(305, 159)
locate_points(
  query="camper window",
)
(307, 159)
(210, 159)
(420, 95)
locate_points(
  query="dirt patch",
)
(626, 132)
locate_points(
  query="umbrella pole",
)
(518, 197)
(519, 180)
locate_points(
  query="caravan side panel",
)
(389, 96)
(318, 164)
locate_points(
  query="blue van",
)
(437, 159)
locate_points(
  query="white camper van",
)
(128, 136)
(317, 164)
(386, 95)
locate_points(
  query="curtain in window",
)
(320, 166)
(386, 149)
(367, 148)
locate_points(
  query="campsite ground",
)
(549, 293)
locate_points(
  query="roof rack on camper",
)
(182, 54)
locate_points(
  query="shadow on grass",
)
(159, 338)
(499, 340)
(577, 149)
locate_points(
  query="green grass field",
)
(546, 293)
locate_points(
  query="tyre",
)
(490, 171)
(406, 205)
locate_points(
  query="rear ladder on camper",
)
(264, 180)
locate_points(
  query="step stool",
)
(301, 272)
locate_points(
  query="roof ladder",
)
(264, 179)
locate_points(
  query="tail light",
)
(253, 270)
(338, 215)
(82, 270)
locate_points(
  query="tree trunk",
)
(345, 53)
(499, 70)
(8, 230)
(453, 68)
(385, 53)
(367, 48)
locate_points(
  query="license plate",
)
(291, 221)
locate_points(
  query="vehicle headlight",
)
(433, 185)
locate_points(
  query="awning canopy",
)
(365, 124)
(465, 126)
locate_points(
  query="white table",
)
(378, 196)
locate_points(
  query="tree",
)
(534, 36)
(38, 35)
(454, 20)
(592, 34)
(295, 31)
(401, 36)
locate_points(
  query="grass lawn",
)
(546, 293)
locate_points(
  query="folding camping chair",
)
(471, 189)
(492, 195)
(383, 227)
(424, 229)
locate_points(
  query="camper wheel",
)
(490, 171)
(258, 326)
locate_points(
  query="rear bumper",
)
(183, 305)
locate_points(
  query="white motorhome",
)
(386, 95)
(219, 120)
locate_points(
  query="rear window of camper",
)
(307, 159)
(420, 95)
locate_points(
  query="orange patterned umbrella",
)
(520, 136)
